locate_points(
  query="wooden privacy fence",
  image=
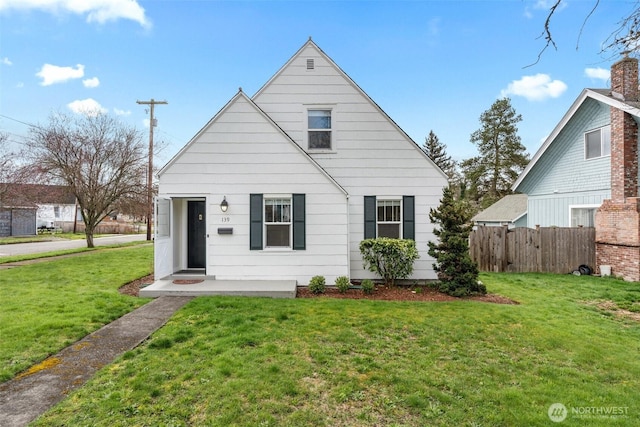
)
(543, 249)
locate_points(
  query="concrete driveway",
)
(37, 247)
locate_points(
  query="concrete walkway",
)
(33, 392)
(202, 285)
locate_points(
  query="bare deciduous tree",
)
(102, 160)
(625, 38)
(7, 166)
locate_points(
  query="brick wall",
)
(618, 219)
(624, 260)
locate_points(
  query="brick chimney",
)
(624, 79)
(618, 219)
(624, 131)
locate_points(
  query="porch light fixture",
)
(224, 205)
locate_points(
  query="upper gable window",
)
(319, 126)
(597, 143)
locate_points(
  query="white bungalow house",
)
(285, 184)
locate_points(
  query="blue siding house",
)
(570, 175)
(587, 172)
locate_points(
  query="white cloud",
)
(6, 61)
(100, 11)
(92, 82)
(89, 107)
(542, 5)
(120, 112)
(535, 88)
(598, 73)
(51, 74)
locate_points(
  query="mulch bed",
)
(400, 293)
(384, 293)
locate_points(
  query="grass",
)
(44, 237)
(224, 361)
(39, 255)
(49, 305)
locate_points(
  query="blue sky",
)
(431, 65)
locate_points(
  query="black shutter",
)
(255, 219)
(370, 217)
(299, 231)
(408, 217)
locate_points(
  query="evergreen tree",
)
(437, 151)
(457, 272)
(502, 157)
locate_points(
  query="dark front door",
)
(196, 235)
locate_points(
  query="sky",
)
(430, 65)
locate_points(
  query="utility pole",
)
(152, 123)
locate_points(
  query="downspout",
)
(348, 236)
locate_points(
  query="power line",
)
(20, 121)
(152, 103)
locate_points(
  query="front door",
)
(196, 234)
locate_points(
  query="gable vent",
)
(310, 64)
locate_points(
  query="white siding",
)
(45, 215)
(371, 155)
(241, 152)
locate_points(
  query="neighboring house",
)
(586, 172)
(511, 211)
(56, 207)
(570, 175)
(286, 184)
(29, 207)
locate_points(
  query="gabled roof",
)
(508, 209)
(311, 43)
(601, 95)
(31, 195)
(243, 96)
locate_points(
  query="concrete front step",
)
(190, 285)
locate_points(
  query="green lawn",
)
(38, 255)
(321, 362)
(47, 306)
(44, 237)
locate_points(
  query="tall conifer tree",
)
(502, 157)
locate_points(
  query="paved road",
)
(36, 247)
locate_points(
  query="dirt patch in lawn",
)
(384, 293)
(612, 307)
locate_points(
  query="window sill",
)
(320, 151)
(277, 250)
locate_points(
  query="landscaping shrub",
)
(391, 259)
(317, 285)
(367, 286)
(457, 272)
(343, 283)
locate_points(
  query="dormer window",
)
(597, 143)
(319, 127)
